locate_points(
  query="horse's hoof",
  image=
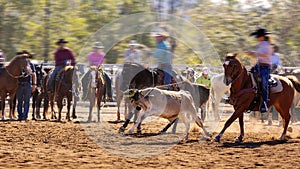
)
(217, 138)
(139, 131)
(121, 129)
(269, 123)
(126, 134)
(239, 139)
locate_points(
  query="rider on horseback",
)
(96, 58)
(264, 61)
(61, 56)
(164, 57)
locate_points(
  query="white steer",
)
(166, 104)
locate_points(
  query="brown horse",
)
(243, 94)
(9, 81)
(95, 90)
(63, 89)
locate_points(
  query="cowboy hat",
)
(26, 53)
(164, 34)
(61, 41)
(260, 32)
(98, 45)
(133, 43)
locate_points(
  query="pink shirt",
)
(95, 59)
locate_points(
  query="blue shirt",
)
(162, 53)
(27, 78)
(275, 59)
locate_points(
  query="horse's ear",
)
(229, 54)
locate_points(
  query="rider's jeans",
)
(52, 76)
(167, 73)
(264, 72)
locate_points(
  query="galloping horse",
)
(243, 94)
(96, 88)
(9, 81)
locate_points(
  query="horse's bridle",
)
(231, 73)
(14, 76)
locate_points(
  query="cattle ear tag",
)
(226, 62)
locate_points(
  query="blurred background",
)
(37, 24)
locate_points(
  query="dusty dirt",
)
(48, 144)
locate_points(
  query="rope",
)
(13, 76)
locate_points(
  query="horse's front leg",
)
(99, 100)
(11, 102)
(241, 122)
(60, 107)
(92, 104)
(68, 107)
(3, 108)
(237, 113)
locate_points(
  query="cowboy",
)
(26, 86)
(204, 78)
(62, 56)
(96, 58)
(264, 62)
(131, 54)
(164, 56)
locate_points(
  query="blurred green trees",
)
(36, 25)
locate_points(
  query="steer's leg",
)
(141, 117)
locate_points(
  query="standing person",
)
(62, 55)
(263, 54)
(164, 57)
(204, 78)
(26, 86)
(276, 63)
(96, 58)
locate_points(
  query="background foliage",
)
(36, 25)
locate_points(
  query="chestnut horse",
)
(243, 94)
(9, 81)
(63, 89)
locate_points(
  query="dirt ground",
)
(49, 144)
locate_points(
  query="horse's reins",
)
(16, 77)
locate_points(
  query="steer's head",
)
(132, 94)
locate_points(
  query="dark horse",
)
(243, 94)
(63, 89)
(95, 90)
(138, 77)
(36, 95)
(9, 81)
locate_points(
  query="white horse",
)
(218, 89)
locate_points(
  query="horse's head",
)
(19, 65)
(39, 73)
(232, 68)
(130, 70)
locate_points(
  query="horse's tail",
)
(295, 82)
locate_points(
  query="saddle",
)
(274, 85)
(160, 78)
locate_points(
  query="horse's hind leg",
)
(285, 114)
